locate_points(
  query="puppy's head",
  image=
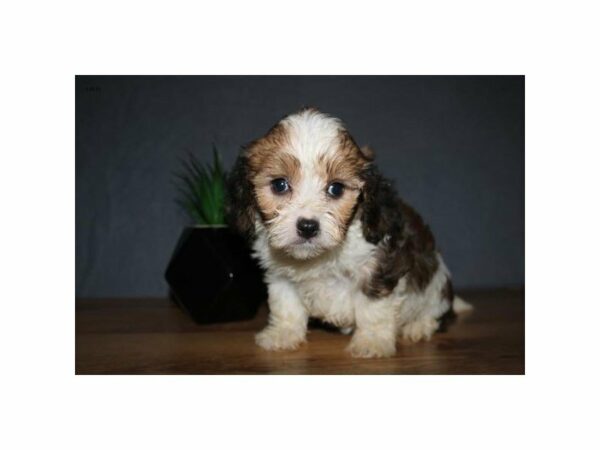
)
(302, 180)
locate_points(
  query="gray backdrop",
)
(453, 145)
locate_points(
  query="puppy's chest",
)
(330, 284)
(330, 297)
(329, 291)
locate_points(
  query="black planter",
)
(212, 276)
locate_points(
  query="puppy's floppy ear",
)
(408, 248)
(241, 202)
(379, 205)
(381, 218)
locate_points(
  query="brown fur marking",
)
(406, 246)
(268, 160)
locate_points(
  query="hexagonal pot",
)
(212, 276)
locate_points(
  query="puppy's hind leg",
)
(375, 334)
(431, 312)
(288, 319)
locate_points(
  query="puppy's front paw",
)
(278, 338)
(372, 345)
(420, 330)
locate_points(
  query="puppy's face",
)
(305, 176)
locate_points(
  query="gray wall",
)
(453, 145)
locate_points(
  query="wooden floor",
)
(152, 336)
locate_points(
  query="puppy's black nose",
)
(307, 228)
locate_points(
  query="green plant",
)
(202, 190)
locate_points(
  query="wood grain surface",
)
(152, 336)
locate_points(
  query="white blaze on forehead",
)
(312, 134)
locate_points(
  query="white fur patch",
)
(312, 134)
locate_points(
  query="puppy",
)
(335, 240)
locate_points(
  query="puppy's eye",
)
(335, 190)
(280, 185)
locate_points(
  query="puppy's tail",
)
(460, 306)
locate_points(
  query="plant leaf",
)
(201, 189)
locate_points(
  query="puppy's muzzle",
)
(307, 228)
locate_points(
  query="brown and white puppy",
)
(336, 241)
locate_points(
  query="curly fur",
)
(373, 267)
(407, 246)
